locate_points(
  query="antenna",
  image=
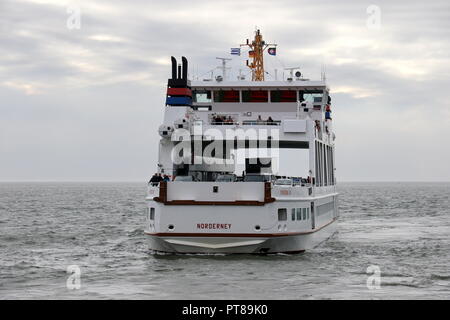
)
(291, 72)
(224, 67)
(240, 76)
(323, 75)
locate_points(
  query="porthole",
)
(171, 226)
(257, 228)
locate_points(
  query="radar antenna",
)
(291, 72)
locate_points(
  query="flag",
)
(272, 51)
(236, 51)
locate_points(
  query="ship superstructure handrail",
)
(248, 123)
(178, 196)
(261, 123)
(224, 123)
(296, 182)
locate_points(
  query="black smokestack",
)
(185, 67)
(174, 68)
(179, 72)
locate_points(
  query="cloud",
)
(98, 92)
(28, 88)
(355, 92)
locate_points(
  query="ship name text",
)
(213, 225)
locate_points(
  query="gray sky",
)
(85, 104)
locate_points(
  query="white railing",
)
(261, 123)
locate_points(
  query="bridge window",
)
(226, 96)
(311, 95)
(202, 96)
(283, 96)
(255, 96)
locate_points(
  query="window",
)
(320, 164)
(255, 96)
(299, 214)
(325, 208)
(304, 213)
(282, 214)
(283, 96)
(317, 164)
(202, 96)
(293, 214)
(226, 96)
(325, 168)
(332, 166)
(307, 213)
(313, 96)
(152, 213)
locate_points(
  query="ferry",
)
(244, 166)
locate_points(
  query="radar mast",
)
(257, 47)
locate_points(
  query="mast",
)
(257, 47)
(224, 67)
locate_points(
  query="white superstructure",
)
(222, 146)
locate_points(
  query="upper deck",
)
(263, 96)
(292, 105)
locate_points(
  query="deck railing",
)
(221, 193)
(247, 123)
(212, 193)
(261, 123)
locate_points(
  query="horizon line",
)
(145, 181)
